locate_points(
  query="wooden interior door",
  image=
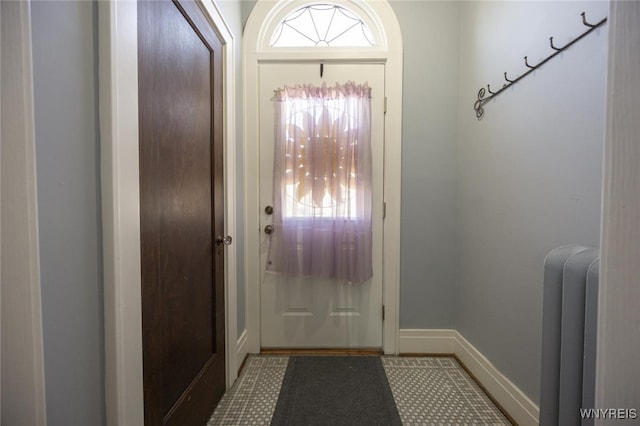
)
(182, 212)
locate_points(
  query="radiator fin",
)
(568, 334)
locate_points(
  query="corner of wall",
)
(450, 342)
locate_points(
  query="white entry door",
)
(312, 312)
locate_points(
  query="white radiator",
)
(569, 329)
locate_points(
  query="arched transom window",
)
(319, 25)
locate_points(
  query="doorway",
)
(315, 312)
(263, 23)
(181, 212)
(119, 135)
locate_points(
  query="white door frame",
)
(118, 38)
(23, 381)
(381, 19)
(619, 294)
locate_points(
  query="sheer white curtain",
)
(322, 183)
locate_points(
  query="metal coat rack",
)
(478, 105)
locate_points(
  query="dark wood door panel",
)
(181, 203)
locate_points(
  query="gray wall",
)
(431, 38)
(529, 173)
(65, 92)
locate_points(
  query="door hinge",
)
(384, 210)
(385, 104)
(382, 312)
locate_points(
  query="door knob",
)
(268, 229)
(224, 240)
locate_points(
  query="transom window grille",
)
(322, 25)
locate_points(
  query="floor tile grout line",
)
(230, 405)
(250, 382)
(479, 393)
(255, 384)
(424, 364)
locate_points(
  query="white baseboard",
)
(508, 395)
(243, 348)
(417, 341)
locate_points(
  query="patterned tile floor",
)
(427, 391)
(438, 391)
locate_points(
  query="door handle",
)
(227, 240)
(268, 229)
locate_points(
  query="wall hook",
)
(584, 21)
(527, 64)
(552, 46)
(489, 89)
(505, 77)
